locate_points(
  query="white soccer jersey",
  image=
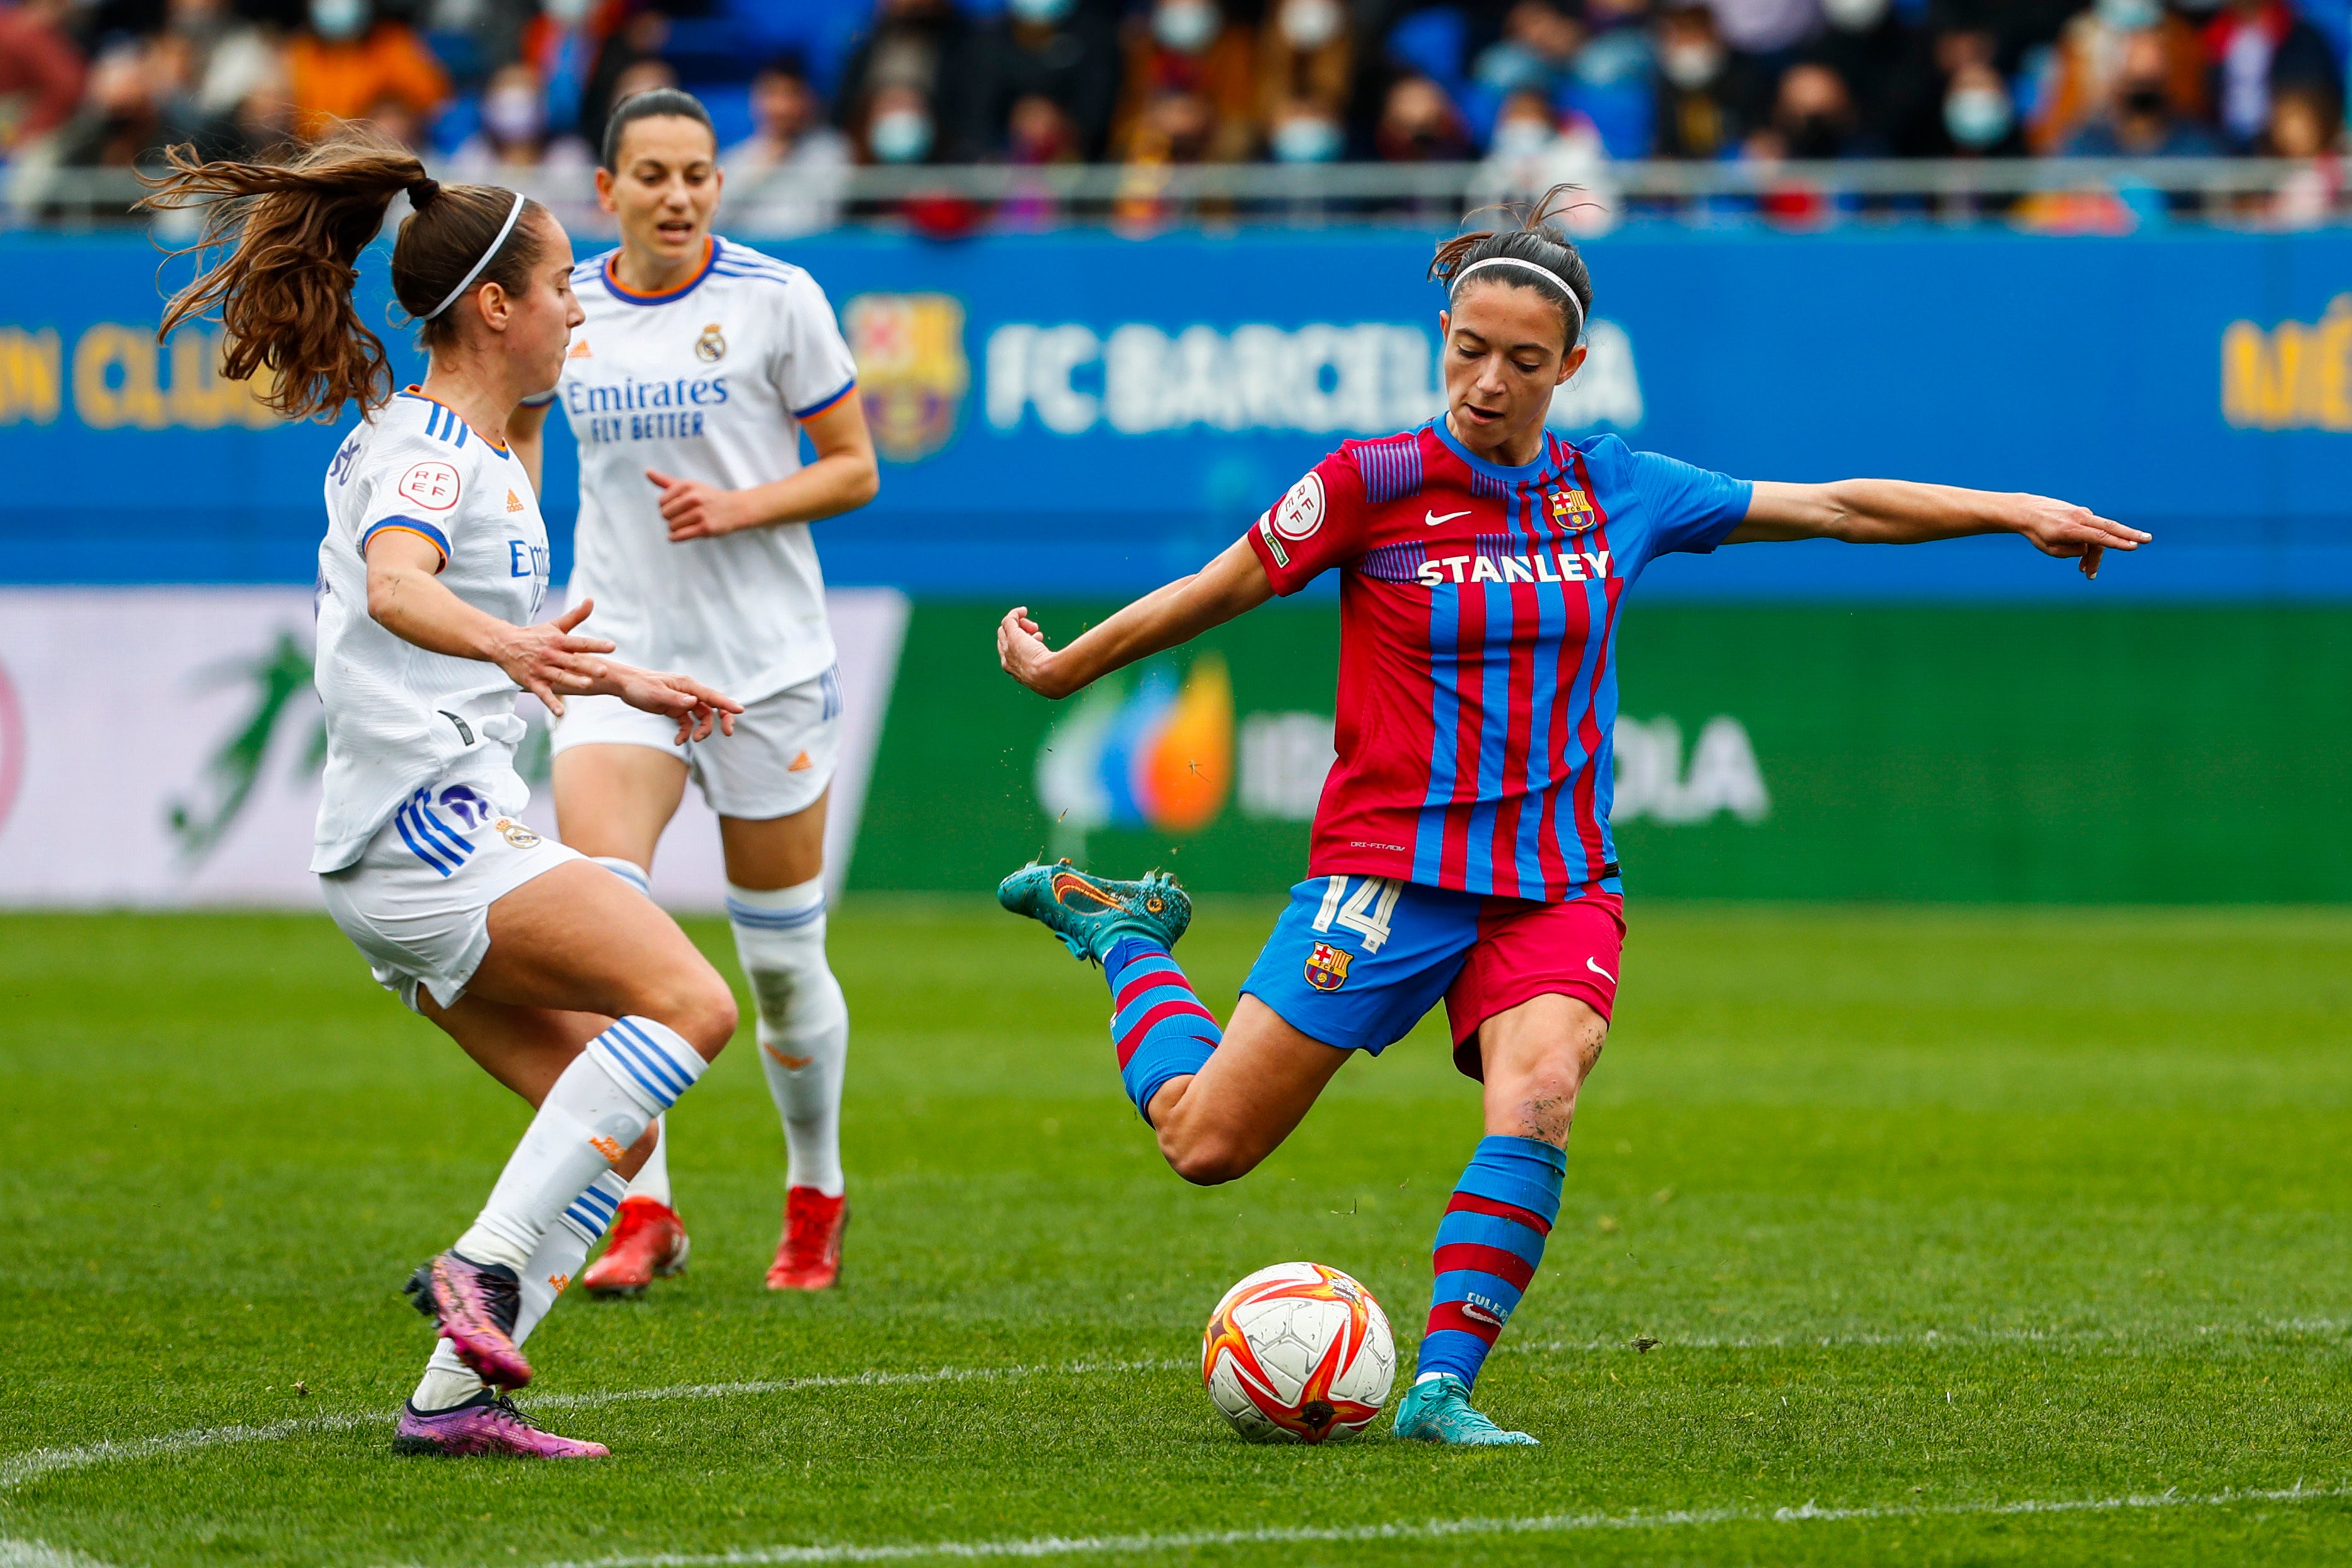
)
(398, 717)
(708, 381)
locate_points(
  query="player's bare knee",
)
(701, 1008)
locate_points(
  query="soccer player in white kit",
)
(566, 986)
(699, 366)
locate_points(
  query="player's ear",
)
(1445, 323)
(1569, 364)
(605, 189)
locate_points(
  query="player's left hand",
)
(2070, 532)
(696, 706)
(695, 510)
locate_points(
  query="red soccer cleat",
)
(809, 1257)
(648, 1238)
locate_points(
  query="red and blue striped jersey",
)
(1478, 610)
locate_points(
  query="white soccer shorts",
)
(778, 761)
(416, 903)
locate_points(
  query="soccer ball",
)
(1299, 1353)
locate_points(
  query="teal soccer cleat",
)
(1437, 1410)
(1090, 913)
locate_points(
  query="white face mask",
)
(900, 136)
(512, 113)
(568, 13)
(1310, 24)
(1041, 11)
(1517, 138)
(1306, 138)
(1977, 117)
(337, 19)
(1690, 65)
(1853, 15)
(1187, 26)
(2129, 15)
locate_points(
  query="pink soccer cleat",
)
(474, 1305)
(648, 1238)
(809, 1256)
(488, 1423)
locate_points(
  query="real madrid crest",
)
(1326, 966)
(515, 834)
(1571, 511)
(711, 347)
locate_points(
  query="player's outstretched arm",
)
(1231, 585)
(1898, 512)
(549, 660)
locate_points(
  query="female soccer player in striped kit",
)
(688, 386)
(1462, 846)
(566, 986)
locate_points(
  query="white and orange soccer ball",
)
(1299, 1353)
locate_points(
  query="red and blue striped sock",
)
(1161, 1030)
(1488, 1244)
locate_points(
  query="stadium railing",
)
(2072, 194)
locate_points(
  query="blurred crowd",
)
(1538, 88)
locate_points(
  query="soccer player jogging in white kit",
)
(687, 388)
(566, 986)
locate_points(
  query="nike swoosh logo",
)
(796, 1063)
(1599, 971)
(1431, 519)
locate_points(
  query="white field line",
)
(1435, 1529)
(41, 1554)
(18, 1468)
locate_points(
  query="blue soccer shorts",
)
(1356, 961)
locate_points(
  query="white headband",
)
(1453, 285)
(505, 229)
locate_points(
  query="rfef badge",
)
(1326, 966)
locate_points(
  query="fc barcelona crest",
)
(1326, 966)
(1571, 511)
(912, 369)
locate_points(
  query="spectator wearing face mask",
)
(1536, 52)
(1419, 124)
(2141, 121)
(227, 57)
(899, 127)
(1533, 149)
(1813, 119)
(514, 133)
(1766, 29)
(1060, 51)
(914, 57)
(1189, 50)
(1979, 117)
(347, 60)
(2257, 49)
(1703, 91)
(1304, 56)
(2089, 58)
(786, 177)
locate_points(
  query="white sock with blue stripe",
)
(628, 1076)
(554, 1265)
(804, 1022)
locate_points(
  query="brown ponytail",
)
(293, 233)
(1538, 241)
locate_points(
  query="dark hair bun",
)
(421, 192)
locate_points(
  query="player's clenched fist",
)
(1021, 650)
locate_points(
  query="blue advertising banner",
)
(1077, 413)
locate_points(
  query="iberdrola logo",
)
(1143, 752)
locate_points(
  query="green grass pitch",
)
(1966, 1236)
